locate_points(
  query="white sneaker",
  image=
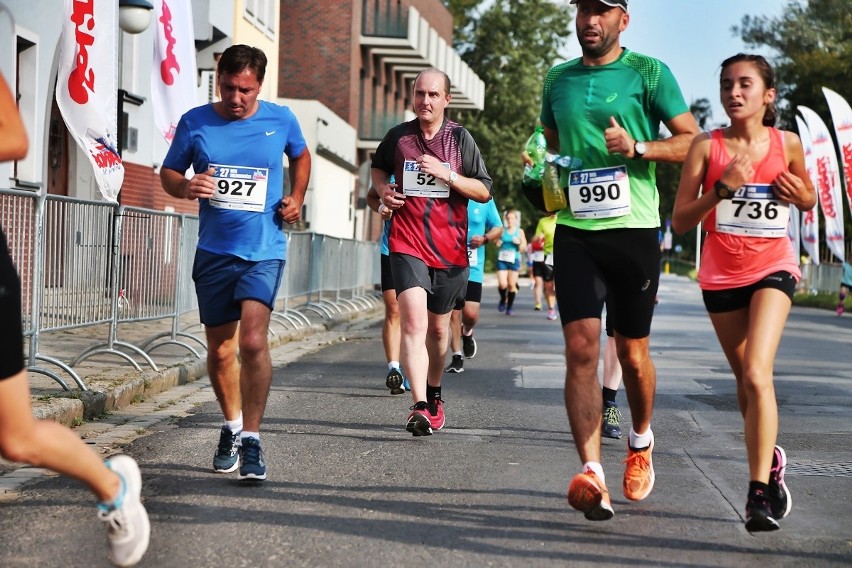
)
(128, 529)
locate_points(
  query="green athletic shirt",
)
(577, 101)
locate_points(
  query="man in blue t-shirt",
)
(483, 225)
(235, 147)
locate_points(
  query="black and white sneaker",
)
(758, 513)
(468, 346)
(456, 365)
(779, 496)
(394, 381)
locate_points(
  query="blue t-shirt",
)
(385, 236)
(481, 218)
(245, 153)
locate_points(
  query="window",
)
(261, 13)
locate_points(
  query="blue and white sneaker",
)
(227, 458)
(252, 466)
(128, 527)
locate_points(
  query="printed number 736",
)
(758, 210)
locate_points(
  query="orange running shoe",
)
(639, 473)
(587, 493)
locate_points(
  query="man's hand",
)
(618, 140)
(477, 241)
(290, 209)
(433, 166)
(391, 198)
(201, 186)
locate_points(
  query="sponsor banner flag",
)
(827, 178)
(173, 73)
(841, 116)
(810, 219)
(86, 90)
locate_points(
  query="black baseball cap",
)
(614, 3)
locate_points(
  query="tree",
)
(510, 45)
(813, 44)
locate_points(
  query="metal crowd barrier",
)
(88, 263)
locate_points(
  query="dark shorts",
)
(619, 267)
(503, 265)
(473, 294)
(445, 287)
(223, 281)
(387, 274)
(11, 329)
(543, 271)
(732, 299)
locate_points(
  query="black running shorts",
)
(620, 267)
(732, 299)
(11, 329)
(445, 287)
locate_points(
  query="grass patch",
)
(821, 300)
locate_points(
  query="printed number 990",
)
(599, 193)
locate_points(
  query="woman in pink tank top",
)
(741, 181)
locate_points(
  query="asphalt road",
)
(349, 487)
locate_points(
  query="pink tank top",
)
(732, 261)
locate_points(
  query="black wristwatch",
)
(723, 191)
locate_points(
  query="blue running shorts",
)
(222, 282)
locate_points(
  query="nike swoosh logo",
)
(270, 133)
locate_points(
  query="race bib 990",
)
(599, 193)
(240, 187)
(753, 212)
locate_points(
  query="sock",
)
(596, 468)
(235, 426)
(755, 486)
(511, 299)
(107, 506)
(459, 353)
(432, 392)
(393, 365)
(244, 435)
(502, 295)
(609, 396)
(640, 441)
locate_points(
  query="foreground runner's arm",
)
(291, 205)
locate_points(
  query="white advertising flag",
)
(810, 219)
(841, 116)
(86, 86)
(173, 73)
(827, 181)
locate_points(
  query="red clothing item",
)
(732, 261)
(431, 229)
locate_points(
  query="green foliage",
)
(510, 45)
(813, 44)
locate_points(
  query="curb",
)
(72, 409)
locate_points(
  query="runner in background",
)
(512, 242)
(541, 253)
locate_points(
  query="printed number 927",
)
(235, 187)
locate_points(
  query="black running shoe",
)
(456, 365)
(759, 513)
(779, 496)
(394, 381)
(610, 427)
(469, 346)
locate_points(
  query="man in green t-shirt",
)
(606, 108)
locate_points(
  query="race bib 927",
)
(240, 187)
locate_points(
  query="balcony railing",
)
(374, 126)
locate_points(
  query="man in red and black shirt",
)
(437, 168)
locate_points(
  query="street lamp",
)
(134, 16)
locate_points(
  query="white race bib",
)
(599, 193)
(472, 256)
(240, 187)
(506, 255)
(537, 256)
(753, 212)
(420, 184)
